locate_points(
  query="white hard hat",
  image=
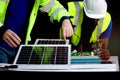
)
(95, 8)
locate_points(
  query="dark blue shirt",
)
(15, 18)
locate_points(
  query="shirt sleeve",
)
(108, 31)
(54, 8)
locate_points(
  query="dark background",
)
(114, 41)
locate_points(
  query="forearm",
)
(105, 53)
(2, 31)
(105, 43)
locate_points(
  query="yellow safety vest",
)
(76, 10)
(3, 8)
(54, 9)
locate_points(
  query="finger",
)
(10, 42)
(64, 39)
(15, 38)
(105, 57)
(69, 33)
(64, 35)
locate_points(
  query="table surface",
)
(106, 67)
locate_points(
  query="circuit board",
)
(84, 58)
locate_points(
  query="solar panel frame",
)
(43, 66)
(59, 40)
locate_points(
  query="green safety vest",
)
(54, 9)
(76, 10)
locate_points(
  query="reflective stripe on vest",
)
(1, 22)
(97, 31)
(3, 8)
(54, 13)
(78, 11)
(48, 6)
(5, 0)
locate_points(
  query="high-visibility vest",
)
(54, 9)
(76, 10)
(3, 8)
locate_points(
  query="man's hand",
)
(67, 30)
(11, 38)
(105, 55)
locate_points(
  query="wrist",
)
(65, 18)
(2, 31)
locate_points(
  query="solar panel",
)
(43, 57)
(51, 41)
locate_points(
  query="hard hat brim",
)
(94, 16)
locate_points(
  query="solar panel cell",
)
(44, 55)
